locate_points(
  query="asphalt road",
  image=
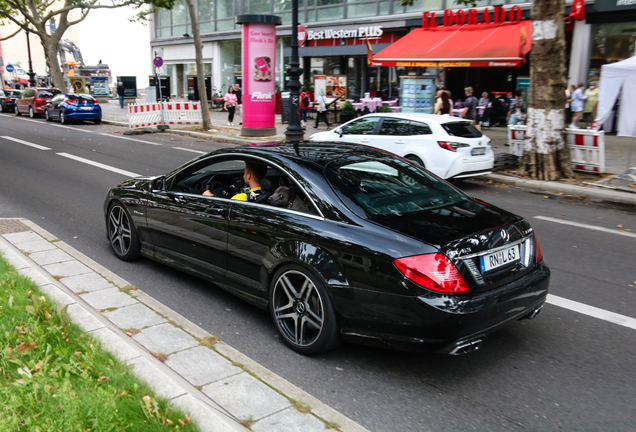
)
(564, 370)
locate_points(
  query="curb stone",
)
(213, 407)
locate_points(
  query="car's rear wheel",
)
(31, 112)
(97, 121)
(47, 116)
(17, 111)
(63, 118)
(122, 233)
(1, 108)
(302, 311)
(416, 160)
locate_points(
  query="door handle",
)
(180, 199)
(364, 140)
(399, 142)
(214, 210)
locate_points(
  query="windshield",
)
(460, 129)
(389, 186)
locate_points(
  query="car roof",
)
(441, 119)
(315, 152)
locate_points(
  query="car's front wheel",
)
(122, 233)
(1, 108)
(31, 112)
(63, 118)
(47, 116)
(302, 311)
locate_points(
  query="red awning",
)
(460, 46)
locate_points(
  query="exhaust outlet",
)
(466, 347)
(534, 313)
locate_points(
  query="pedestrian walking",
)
(229, 104)
(121, 92)
(578, 99)
(322, 110)
(568, 99)
(444, 105)
(239, 102)
(590, 104)
(470, 105)
(305, 102)
(517, 111)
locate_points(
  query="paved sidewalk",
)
(617, 152)
(221, 389)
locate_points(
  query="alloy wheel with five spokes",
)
(302, 312)
(121, 233)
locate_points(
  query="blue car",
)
(68, 107)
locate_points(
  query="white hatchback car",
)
(447, 146)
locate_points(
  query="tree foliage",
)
(35, 15)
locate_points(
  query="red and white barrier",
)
(164, 113)
(586, 146)
(182, 113)
(144, 115)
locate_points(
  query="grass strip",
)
(55, 377)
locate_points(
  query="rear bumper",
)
(470, 166)
(83, 115)
(436, 322)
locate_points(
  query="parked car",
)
(7, 99)
(447, 146)
(384, 253)
(33, 100)
(67, 107)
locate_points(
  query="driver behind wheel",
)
(252, 175)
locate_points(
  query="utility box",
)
(151, 94)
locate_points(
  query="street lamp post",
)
(294, 131)
(31, 73)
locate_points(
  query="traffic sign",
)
(10, 68)
(158, 61)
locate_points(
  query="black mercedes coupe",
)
(382, 252)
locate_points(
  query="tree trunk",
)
(546, 156)
(198, 50)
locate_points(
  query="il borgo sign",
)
(499, 15)
(374, 31)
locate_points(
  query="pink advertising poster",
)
(259, 82)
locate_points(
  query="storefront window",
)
(225, 9)
(282, 5)
(205, 11)
(611, 43)
(260, 6)
(225, 25)
(191, 69)
(179, 14)
(230, 63)
(419, 5)
(361, 10)
(383, 8)
(333, 13)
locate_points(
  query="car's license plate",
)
(478, 151)
(87, 108)
(499, 258)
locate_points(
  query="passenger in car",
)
(252, 175)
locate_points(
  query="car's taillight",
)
(39, 101)
(7, 99)
(451, 146)
(95, 102)
(538, 248)
(433, 271)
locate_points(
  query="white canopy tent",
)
(614, 77)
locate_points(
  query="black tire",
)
(17, 111)
(122, 234)
(1, 108)
(416, 160)
(47, 116)
(302, 312)
(31, 112)
(98, 121)
(63, 118)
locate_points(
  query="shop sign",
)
(614, 5)
(372, 31)
(460, 17)
(302, 35)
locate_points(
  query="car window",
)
(14, 93)
(58, 98)
(27, 93)
(2, 93)
(419, 128)
(362, 126)
(47, 94)
(461, 129)
(391, 126)
(389, 187)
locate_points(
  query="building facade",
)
(336, 44)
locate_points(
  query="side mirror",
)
(158, 184)
(340, 132)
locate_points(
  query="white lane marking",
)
(71, 128)
(129, 139)
(189, 150)
(592, 311)
(591, 227)
(99, 165)
(37, 146)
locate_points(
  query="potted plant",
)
(385, 108)
(348, 112)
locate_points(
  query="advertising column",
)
(258, 56)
